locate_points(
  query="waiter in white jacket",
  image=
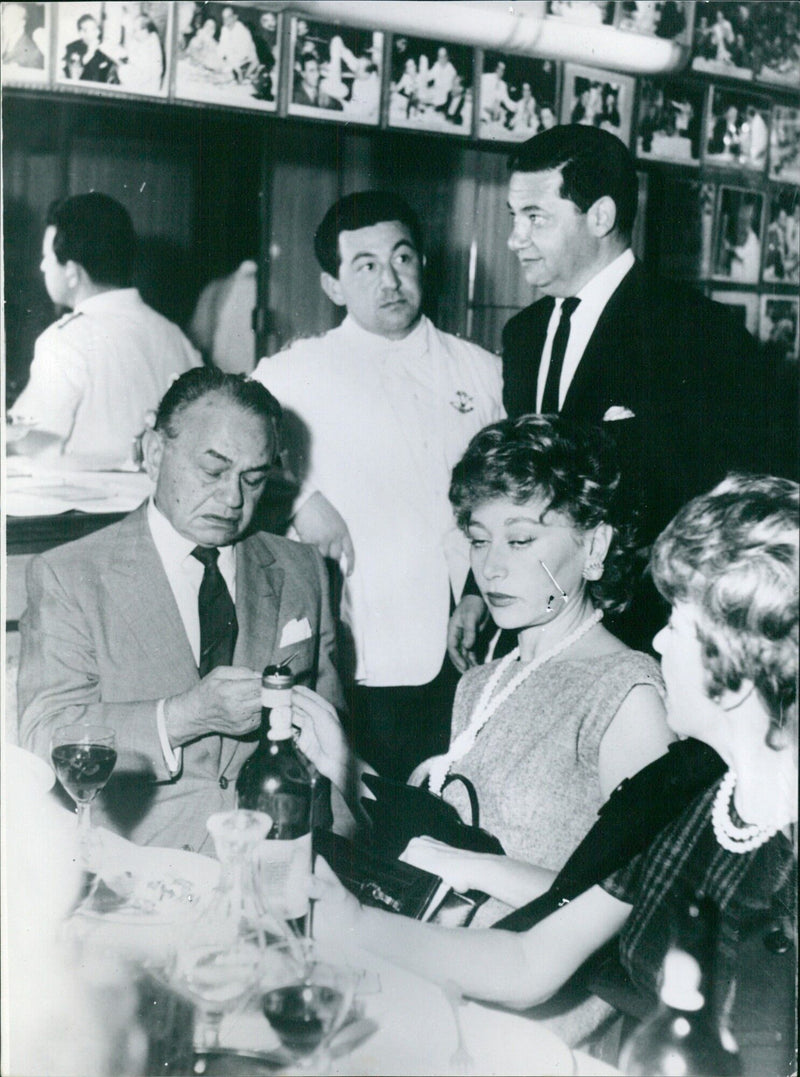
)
(382, 409)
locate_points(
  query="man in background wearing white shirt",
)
(237, 49)
(384, 407)
(672, 376)
(100, 369)
(159, 626)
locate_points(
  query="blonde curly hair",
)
(733, 554)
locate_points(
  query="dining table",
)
(401, 1023)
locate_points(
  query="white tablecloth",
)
(415, 1032)
(35, 490)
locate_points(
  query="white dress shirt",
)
(97, 371)
(185, 574)
(593, 299)
(386, 421)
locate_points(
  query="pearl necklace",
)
(736, 839)
(488, 702)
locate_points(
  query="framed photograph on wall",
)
(737, 133)
(722, 42)
(431, 85)
(776, 34)
(669, 121)
(25, 43)
(784, 151)
(517, 97)
(228, 54)
(782, 239)
(744, 306)
(335, 71)
(778, 325)
(116, 47)
(600, 98)
(680, 228)
(670, 19)
(737, 235)
(585, 12)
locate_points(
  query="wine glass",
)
(218, 978)
(218, 962)
(83, 757)
(309, 1009)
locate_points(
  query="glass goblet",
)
(308, 1010)
(218, 979)
(83, 757)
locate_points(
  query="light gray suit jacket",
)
(102, 640)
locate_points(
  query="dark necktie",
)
(218, 624)
(550, 397)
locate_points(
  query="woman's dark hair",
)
(733, 555)
(201, 381)
(360, 210)
(96, 232)
(571, 468)
(592, 163)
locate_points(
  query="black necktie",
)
(551, 386)
(218, 624)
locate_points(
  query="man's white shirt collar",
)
(594, 296)
(111, 299)
(597, 292)
(415, 341)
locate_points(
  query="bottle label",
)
(275, 697)
(284, 873)
(280, 723)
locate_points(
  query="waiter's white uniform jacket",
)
(97, 371)
(383, 422)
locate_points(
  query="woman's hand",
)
(420, 773)
(337, 912)
(457, 867)
(322, 738)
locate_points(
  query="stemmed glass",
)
(308, 1009)
(83, 757)
(218, 963)
(217, 977)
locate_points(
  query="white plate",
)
(160, 883)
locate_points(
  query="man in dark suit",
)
(159, 626)
(677, 381)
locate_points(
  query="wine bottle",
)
(682, 1037)
(279, 780)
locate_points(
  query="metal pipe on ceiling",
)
(520, 28)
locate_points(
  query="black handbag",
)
(401, 812)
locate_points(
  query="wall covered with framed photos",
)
(717, 148)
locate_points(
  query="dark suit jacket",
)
(704, 400)
(102, 640)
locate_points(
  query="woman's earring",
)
(593, 569)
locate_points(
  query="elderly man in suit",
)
(159, 626)
(672, 375)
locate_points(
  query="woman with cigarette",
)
(547, 732)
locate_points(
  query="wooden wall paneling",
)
(32, 179)
(303, 183)
(500, 288)
(155, 179)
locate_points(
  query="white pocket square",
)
(295, 632)
(617, 412)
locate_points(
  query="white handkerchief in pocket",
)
(295, 632)
(617, 412)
